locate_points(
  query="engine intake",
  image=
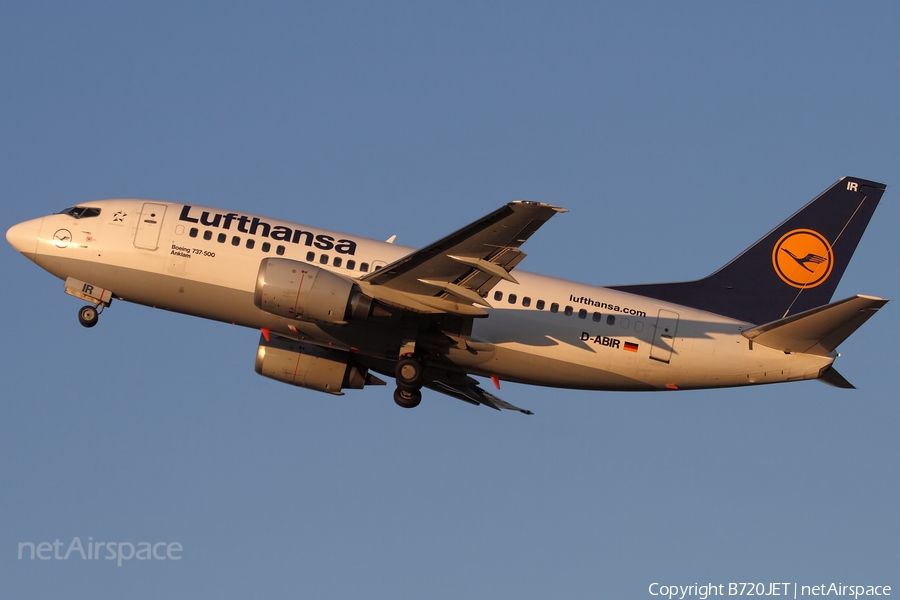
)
(297, 290)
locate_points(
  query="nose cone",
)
(24, 237)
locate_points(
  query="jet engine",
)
(297, 290)
(309, 366)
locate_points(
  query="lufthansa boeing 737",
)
(336, 309)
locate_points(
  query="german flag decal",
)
(631, 347)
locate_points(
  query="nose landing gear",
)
(98, 297)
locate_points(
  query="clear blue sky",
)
(675, 133)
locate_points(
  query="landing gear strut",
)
(409, 376)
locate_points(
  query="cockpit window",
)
(81, 212)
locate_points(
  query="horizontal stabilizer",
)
(818, 330)
(832, 377)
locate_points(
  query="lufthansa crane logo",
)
(62, 238)
(803, 258)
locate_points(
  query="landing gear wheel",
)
(408, 373)
(88, 316)
(407, 398)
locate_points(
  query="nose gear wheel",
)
(88, 316)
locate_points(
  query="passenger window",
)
(569, 311)
(337, 261)
(351, 264)
(526, 301)
(266, 246)
(610, 320)
(554, 308)
(221, 238)
(364, 267)
(539, 305)
(624, 322)
(250, 243)
(512, 298)
(582, 314)
(193, 232)
(279, 250)
(235, 241)
(597, 317)
(498, 296)
(310, 256)
(638, 326)
(207, 235)
(323, 260)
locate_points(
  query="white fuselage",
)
(543, 330)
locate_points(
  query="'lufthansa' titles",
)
(255, 226)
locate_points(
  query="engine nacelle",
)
(297, 290)
(309, 366)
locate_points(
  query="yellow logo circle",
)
(803, 258)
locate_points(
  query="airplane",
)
(336, 310)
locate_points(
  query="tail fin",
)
(794, 268)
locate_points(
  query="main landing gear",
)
(407, 398)
(409, 375)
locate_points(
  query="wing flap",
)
(484, 266)
(469, 391)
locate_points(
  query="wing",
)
(455, 273)
(468, 390)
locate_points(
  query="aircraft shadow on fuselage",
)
(531, 328)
